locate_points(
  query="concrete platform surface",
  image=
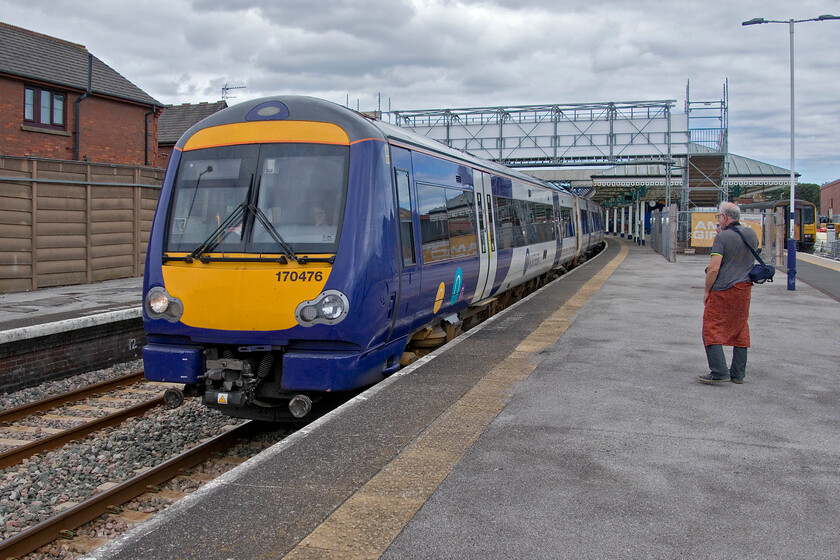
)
(47, 311)
(571, 426)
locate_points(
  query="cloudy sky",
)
(423, 54)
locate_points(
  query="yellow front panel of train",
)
(267, 132)
(243, 297)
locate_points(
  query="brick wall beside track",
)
(24, 363)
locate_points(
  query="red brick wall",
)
(830, 198)
(111, 131)
(164, 153)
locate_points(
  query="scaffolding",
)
(706, 171)
(582, 134)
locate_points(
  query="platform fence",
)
(71, 222)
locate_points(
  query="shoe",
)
(737, 380)
(712, 380)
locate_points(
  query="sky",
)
(433, 54)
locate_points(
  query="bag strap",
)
(741, 235)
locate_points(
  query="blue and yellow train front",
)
(268, 277)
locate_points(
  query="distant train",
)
(298, 247)
(805, 222)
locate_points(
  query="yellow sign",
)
(439, 297)
(704, 228)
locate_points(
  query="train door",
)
(408, 289)
(577, 210)
(559, 229)
(486, 237)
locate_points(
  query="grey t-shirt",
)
(737, 258)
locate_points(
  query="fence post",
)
(33, 170)
(767, 242)
(88, 225)
(780, 235)
(137, 220)
(672, 234)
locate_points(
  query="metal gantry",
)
(578, 134)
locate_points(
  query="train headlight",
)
(160, 305)
(328, 308)
(332, 307)
(158, 300)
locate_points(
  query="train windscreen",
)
(243, 198)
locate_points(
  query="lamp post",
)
(791, 266)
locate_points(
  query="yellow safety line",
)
(819, 261)
(367, 523)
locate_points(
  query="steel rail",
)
(103, 386)
(66, 522)
(18, 454)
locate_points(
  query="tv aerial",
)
(226, 91)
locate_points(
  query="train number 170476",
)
(300, 276)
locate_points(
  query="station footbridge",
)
(641, 150)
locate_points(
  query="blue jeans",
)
(717, 362)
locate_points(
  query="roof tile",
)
(35, 56)
(177, 119)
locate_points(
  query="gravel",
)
(45, 390)
(41, 486)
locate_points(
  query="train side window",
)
(584, 224)
(566, 212)
(461, 212)
(434, 223)
(507, 222)
(406, 212)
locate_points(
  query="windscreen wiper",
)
(218, 234)
(272, 231)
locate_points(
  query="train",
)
(805, 223)
(299, 248)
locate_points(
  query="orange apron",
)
(725, 319)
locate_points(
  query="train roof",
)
(298, 108)
(357, 126)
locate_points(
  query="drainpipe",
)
(78, 101)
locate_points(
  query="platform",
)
(54, 332)
(570, 426)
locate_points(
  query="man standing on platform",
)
(727, 297)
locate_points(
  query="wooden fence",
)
(70, 222)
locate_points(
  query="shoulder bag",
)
(759, 273)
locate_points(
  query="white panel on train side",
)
(529, 262)
(487, 236)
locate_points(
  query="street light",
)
(791, 278)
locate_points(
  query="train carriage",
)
(805, 223)
(299, 246)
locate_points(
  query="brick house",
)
(176, 120)
(830, 198)
(58, 101)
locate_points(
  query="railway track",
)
(23, 449)
(65, 524)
